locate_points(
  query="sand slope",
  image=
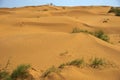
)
(39, 35)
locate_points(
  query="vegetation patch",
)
(21, 72)
(97, 62)
(99, 34)
(53, 69)
(77, 30)
(94, 63)
(76, 62)
(115, 10)
(62, 66)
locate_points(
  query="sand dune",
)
(39, 35)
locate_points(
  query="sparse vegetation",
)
(77, 30)
(97, 62)
(115, 10)
(21, 72)
(77, 62)
(94, 63)
(50, 70)
(99, 34)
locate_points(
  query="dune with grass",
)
(60, 42)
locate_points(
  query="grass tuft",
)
(21, 72)
(101, 35)
(77, 62)
(97, 62)
(115, 10)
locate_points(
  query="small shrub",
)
(97, 63)
(77, 30)
(20, 72)
(101, 35)
(50, 70)
(115, 10)
(77, 62)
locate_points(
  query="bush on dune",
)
(21, 72)
(97, 62)
(115, 10)
(76, 62)
(99, 34)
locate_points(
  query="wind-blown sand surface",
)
(39, 35)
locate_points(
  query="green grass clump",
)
(50, 70)
(77, 30)
(77, 62)
(101, 35)
(21, 72)
(97, 62)
(115, 10)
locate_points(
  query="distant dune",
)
(39, 35)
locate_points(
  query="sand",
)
(39, 35)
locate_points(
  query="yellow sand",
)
(39, 35)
